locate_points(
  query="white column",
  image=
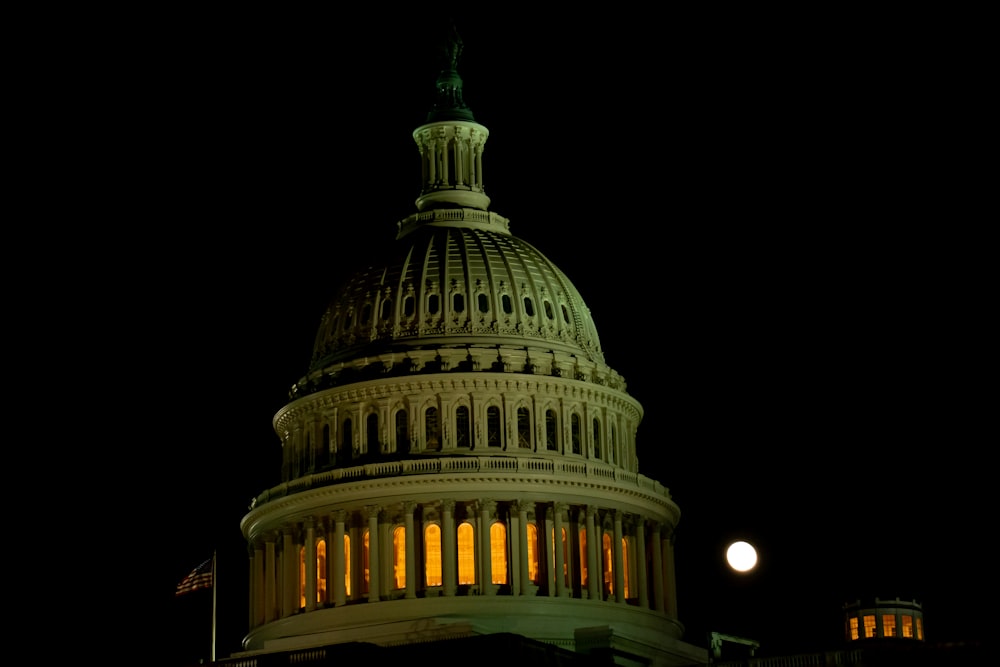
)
(486, 509)
(411, 558)
(449, 547)
(640, 561)
(310, 564)
(270, 580)
(514, 534)
(657, 567)
(522, 555)
(290, 573)
(594, 573)
(371, 512)
(619, 560)
(335, 551)
(560, 564)
(546, 557)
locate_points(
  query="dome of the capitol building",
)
(458, 459)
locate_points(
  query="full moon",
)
(741, 556)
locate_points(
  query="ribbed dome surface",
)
(454, 285)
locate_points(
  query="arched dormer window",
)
(366, 313)
(466, 554)
(551, 431)
(506, 304)
(458, 303)
(432, 555)
(493, 429)
(408, 306)
(484, 303)
(498, 553)
(575, 436)
(523, 428)
(432, 429)
(529, 308)
(387, 309)
(433, 304)
(463, 427)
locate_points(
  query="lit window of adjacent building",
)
(920, 628)
(626, 559)
(466, 554)
(432, 555)
(609, 579)
(321, 571)
(364, 563)
(907, 626)
(869, 621)
(888, 625)
(854, 628)
(347, 565)
(583, 557)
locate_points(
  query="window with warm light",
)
(498, 553)
(627, 560)
(888, 625)
(432, 555)
(869, 621)
(399, 557)
(466, 554)
(920, 628)
(302, 577)
(906, 625)
(321, 571)
(533, 553)
(609, 579)
(854, 628)
(583, 557)
(364, 563)
(347, 565)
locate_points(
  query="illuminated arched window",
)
(575, 433)
(432, 429)
(583, 557)
(613, 450)
(466, 554)
(493, 429)
(533, 552)
(523, 428)
(463, 427)
(365, 563)
(551, 431)
(432, 555)
(399, 557)
(321, 571)
(371, 426)
(609, 579)
(498, 552)
(597, 439)
(346, 437)
(402, 432)
(347, 564)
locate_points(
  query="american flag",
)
(200, 577)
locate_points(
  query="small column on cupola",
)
(451, 142)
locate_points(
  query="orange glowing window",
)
(888, 625)
(533, 553)
(907, 626)
(498, 553)
(920, 628)
(583, 557)
(399, 557)
(432, 555)
(321, 571)
(347, 564)
(869, 621)
(466, 554)
(854, 628)
(626, 553)
(609, 579)
(364, 562)
(302, 577)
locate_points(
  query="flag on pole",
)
(200, 577)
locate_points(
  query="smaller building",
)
(884, 619)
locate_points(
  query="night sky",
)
(749, 205)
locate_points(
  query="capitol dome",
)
(458, 459)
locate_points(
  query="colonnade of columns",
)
(353, 556)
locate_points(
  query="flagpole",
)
(215, 589)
